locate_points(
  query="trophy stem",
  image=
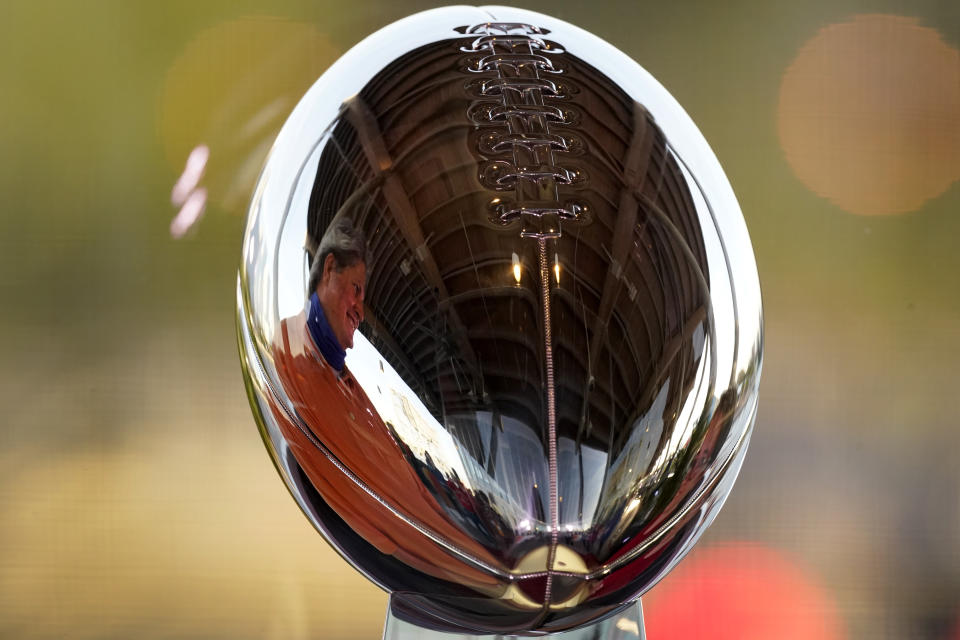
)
(626, 625)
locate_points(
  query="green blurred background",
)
(136, 498)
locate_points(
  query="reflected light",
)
(189, 213)
(516, 268)
(869, 114)
(192, 172)
(628, 626)
(556, 266)
(397, 405)
(191, 200)
(740, 591)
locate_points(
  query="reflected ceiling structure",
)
(626, 328)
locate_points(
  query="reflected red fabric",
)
(341, 417)
(740, 592)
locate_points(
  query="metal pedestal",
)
(627, 625)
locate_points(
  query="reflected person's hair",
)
(347, 244)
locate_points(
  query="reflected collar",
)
(323, 336)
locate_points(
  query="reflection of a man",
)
(309, 354)
(338, 278)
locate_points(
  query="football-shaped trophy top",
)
(500, 320)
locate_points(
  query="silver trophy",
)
(500, 324)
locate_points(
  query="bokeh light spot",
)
(741, 592)
(232, 87)
(869, 114)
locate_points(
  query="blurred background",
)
(136, 498)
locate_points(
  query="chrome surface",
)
(555, 382)
(624, 625)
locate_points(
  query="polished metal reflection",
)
(625, 625)
(552, 389)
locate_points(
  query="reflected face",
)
(341, 295)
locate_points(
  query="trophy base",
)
(626, 625)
